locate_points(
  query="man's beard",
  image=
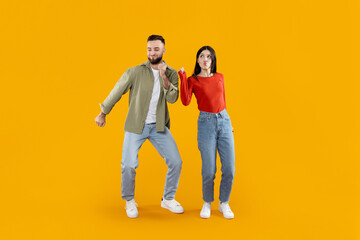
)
(156, 60)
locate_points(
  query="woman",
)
(214, 128)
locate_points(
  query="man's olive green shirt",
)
(140, 81)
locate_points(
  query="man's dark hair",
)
(156, 37)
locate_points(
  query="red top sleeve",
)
(186, 89)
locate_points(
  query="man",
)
(151, 85)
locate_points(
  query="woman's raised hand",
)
(182, 70)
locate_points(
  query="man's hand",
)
(182, 70)
(162, 68)
(100, 119)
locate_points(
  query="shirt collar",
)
(147, 64)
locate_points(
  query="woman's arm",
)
(186, 88)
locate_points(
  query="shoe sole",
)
(204, 217)
(135, 216)
(163, 205)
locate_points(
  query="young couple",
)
(153, 84)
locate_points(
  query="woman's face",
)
(204, 60)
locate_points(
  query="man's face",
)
(155, 51)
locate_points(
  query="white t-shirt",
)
(151, 116)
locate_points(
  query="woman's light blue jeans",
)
(165, 145)
(215, 133)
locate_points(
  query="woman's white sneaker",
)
(131, 209)
(224, 208)
(206, 210)
(172, 205)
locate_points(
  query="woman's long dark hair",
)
(197, 69)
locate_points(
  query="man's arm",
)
(166, 82)
(121, 87)
(171, 86)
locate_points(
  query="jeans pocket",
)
(202, 118)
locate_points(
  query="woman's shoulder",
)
(219, 75)
(192, 78)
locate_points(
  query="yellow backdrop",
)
(292, 89)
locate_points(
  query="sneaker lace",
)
(130, 205)
(173, 203)
(226, 208)
(206, 206)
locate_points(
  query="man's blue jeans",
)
(165, 145)
(215, 133)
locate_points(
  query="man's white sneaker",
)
(172, 205)
(131, 209)
(206, 210)
(224, 208)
